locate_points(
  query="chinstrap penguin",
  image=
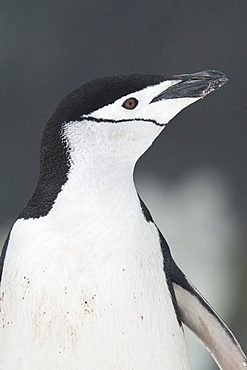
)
(87, 279)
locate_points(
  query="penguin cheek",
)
(117, 133)
(133, 138)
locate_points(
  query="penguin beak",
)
(196, 85)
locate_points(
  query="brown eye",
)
(130, 103)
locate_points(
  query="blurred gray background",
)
(194, 178)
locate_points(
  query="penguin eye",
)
(130, 103)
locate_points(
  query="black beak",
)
(196, 85)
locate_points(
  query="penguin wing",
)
(196, 313)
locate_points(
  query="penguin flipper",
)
(196, 313)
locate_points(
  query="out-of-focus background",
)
(194, 178)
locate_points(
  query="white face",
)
(117, 132)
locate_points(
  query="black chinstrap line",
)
(94, 119)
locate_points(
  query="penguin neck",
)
(100, 178)
(94, 192)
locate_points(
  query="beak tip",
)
(219, 78)
(215, 79)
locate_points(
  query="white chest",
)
(89, 299)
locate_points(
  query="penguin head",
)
(105, 125)
(120, 116)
